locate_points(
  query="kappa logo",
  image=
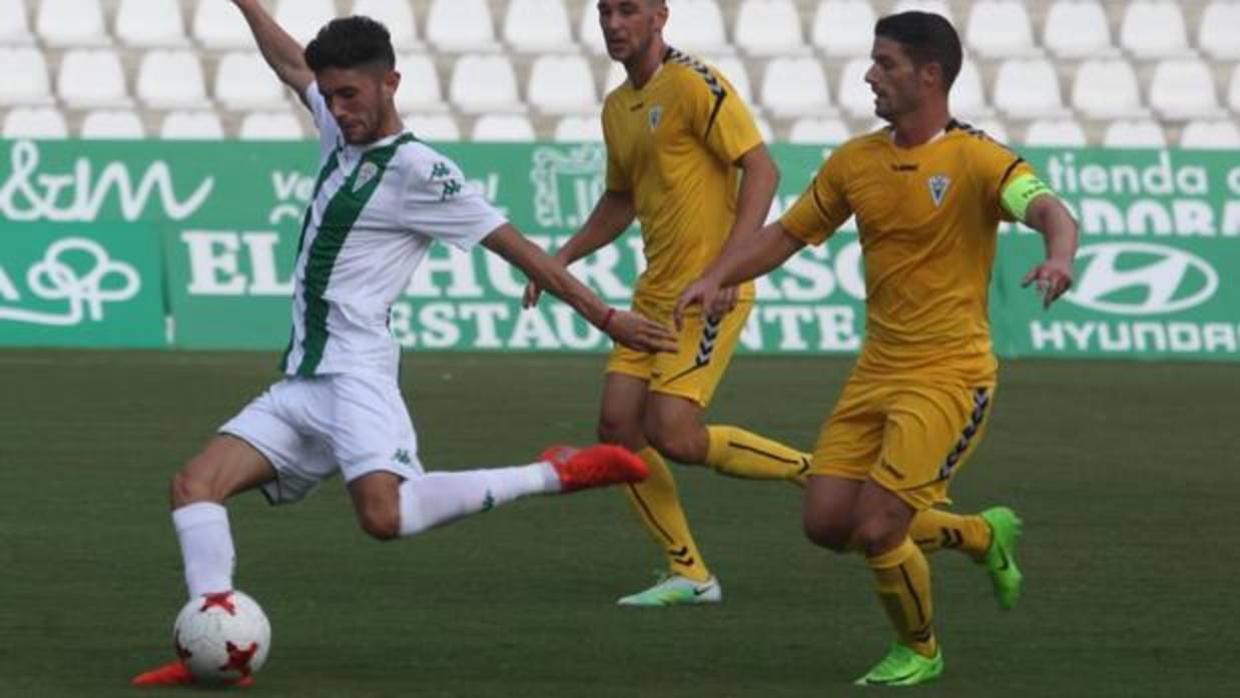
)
(655, 115)
(1138, 278)
(365, 173)
(938, 188)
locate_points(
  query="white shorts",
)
(312, 428)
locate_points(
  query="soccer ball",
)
(222, 637)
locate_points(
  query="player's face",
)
(359, 99)
(896, 81)
(629, 26)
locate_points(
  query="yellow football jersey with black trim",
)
(928, 220)
(673, 144)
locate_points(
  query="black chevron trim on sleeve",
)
(712, 82)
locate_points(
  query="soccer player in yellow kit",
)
(928, 193)
(678, 139)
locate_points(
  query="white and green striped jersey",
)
(375, 211)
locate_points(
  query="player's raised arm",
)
(1047, 215)
(281, 51)
(748, 255)
(611, 216)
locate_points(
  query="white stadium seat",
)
(14, 23)
(433, 128)
(461, 25)
(1027, 89)
(151, 23)
(419, 84)
(397, 16)
(92, 78)
(218, 25)
(795, 87)
(1134, 134)
(587, 129)
(733, 69)
(562, 85)
(510, 128)
(1107, 89)
(1183, 89)
(1153, 29)
(26, 79)
(109, 124)
(270, 126)
(532, 26)
(302, 19)
(1210, 135)
(938, 7)
(615, 77)
(171, 80)
(244, 81)
(196, 125)
(484, 83)
(812, 130)
(71, 23)
(693, 26)
(590, 34)
(1219, 34)
(1000, 29)
(34, 122)
(854, 93)
(844, 28)
(1233, 90)
(967, 97)
(1055, 133)
(1076, 29)
(769, 28)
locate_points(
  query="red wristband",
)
(611, 312)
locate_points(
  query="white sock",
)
(206, 547)
(438, 498)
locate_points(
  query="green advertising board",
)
(212, 229)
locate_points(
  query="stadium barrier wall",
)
(190, 245)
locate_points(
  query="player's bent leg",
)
(827, 511)
(226, 466)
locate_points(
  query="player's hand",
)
(724, 303)
(638, 333)
(529, 299)
(704, 292)
(1053, 279)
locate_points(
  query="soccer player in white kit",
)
(380, 200)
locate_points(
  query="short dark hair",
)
(927, 38)
(349, 42)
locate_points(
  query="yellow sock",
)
(903, 579)
(658, 504)
(935, 529)
(739, 453)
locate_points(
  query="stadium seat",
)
(71, 23)
(855, 95)
(538, 26)
(769, 28)
(433, 128)
(938, 7)
(91, 78)
(147, 23)
(303, 19)
(397, 16)
(14, 23)
(171, 80)
(1107, 89)
(1210, 135)
(1134, 134)
(733, 69)
(34, 122)
(108, 124)
(419, 84)
(484, 82)
(218, 25)
(615, 77)
(844, 28)
(967, 97)
(1219, 34)
(1153, 29)
(270, 126)
(461, 25)
(244, 81)
(1183, 89)
(26, 79)
(514, 128)
(693, 26)
(197, 125)
(562, 85)
(1233, 91)
(795, 87)
(1055, 133)
(1077, 29)
(590, 34)
(1000, 29)
(812, 130)
(1028, 89)
(587, 129)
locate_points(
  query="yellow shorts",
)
(705, 349)
(911, 437)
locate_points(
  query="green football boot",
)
(903, 667)
(1000, 558)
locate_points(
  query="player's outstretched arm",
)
(630, 329)
(611, 216)
(1047, 215)
(748, 255)
(281, 51)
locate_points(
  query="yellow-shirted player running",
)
(685, 159)
(928, 193)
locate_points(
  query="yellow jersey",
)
(673, 145)
(928, 220)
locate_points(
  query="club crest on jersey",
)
(655, 115)
(938, 188)
(365, 173)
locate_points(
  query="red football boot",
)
(177, 674)
(594, 466)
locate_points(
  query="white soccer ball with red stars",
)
(222, 637)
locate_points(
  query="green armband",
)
(1020, 191)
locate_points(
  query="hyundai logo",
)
(1137, 278)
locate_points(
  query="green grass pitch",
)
(1126, 474)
